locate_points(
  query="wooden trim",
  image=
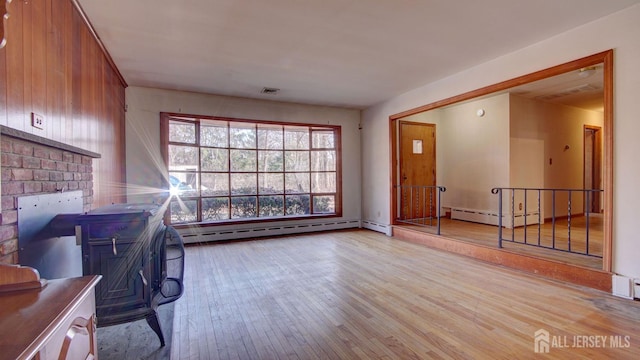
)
(338, 149)
(190, 117)
(597, 160)
(596, 279)
(399, 161)
(507, 84)
(93, 32)
(16, 277)
(607, 163)
(393, 158)
(604, 57)
(166, 117)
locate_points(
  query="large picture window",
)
(223, 170)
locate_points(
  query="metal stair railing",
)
(420, 205)
(557, 240)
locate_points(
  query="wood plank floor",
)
(488, 235)
(359, 294)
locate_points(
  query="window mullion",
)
(306, 182)
(310, 142)
(229, 205)
(284, 173)
(255, 170)
(199, 172)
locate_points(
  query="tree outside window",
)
(222, 170)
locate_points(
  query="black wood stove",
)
(141, 261)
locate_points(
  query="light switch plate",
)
(37, 121)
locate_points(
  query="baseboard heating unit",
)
(213, 233)
(385, 229)
(491, 218)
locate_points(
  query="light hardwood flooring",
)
(488, 235)
(359, 294)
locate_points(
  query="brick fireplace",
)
(33, 165)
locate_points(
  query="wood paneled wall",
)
(53, 65)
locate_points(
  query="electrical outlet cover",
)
(37, 121)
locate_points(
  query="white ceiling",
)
(347, 53)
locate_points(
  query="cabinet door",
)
(79, 341)
(74, 337)
(122, 264)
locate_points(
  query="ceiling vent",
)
(269, 90)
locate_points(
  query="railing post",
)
(586, 213)
(439, 204)
(524, 226)
(553, 219)
(569, 221)
(513, 215)
(499, 192)
(539, 216)
(424, 206)
(411, 203)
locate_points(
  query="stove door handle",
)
(144, 280)
(113, 242)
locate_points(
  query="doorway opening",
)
(598, 160)
(417, 171)
(593, 167)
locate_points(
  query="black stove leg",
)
(153, 321)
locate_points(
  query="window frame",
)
(167, 117)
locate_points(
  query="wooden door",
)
(417, 169)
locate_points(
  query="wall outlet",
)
(37, 121)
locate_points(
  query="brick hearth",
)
(33, 165)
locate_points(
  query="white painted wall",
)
(618, 31)
(475, 153)
(558, 127)
(526, 170)
(472, 152)
(144, 161)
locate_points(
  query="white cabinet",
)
(56, 321)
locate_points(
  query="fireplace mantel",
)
(19, 134)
